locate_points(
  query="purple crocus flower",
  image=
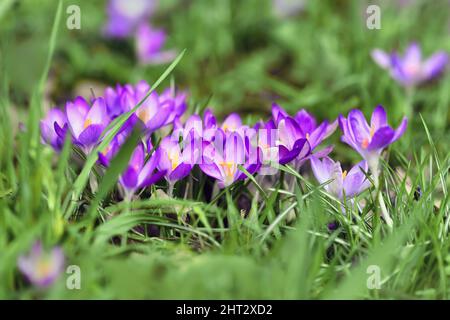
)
(149, 45)
(370, 140)
(125, 15)
(179, 103)
(341, 183)
(221, 158)
(410, 70)
(153, 113)
(298, 136)
(140, 173)
(87, 123)
(42, 268)
(176, 161)
(53, 128)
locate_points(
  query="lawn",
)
(100, 107)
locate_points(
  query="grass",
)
(250, 242)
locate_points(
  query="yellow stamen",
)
(87, 123)
(143, 115)
(229, 168)
(372, 132)
(344, 174)
(307, 136)
(174, 159)
(43, 268)
(365, 143)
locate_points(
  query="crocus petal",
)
(413, 55)
(129, 178)
(356, 181)
(379, 118)
(434, 65)
(401, 129)
(278, 113)
(232, 122)
(321, 168)
(381, 58)
(381, 138)
(152, 179)
(211, 169)
(180, 172)
(76, 112)
(90, 135)
(98, 113)
(358, 127)
(160, 117)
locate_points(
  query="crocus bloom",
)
(125, 15)
(140, 173)
(340, 182)
(53, 128)
(221, 159)
(42, 268)
(87, 123)
(179, 103)
(370, 140)
(410, 70)
(153, 112)
(149, 45)
(176, 161)
(298, 136)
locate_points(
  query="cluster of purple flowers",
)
(226, 151)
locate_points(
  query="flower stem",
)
(384, 212)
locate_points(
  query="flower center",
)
(229, 168)
(174, 159)
(366, 141)
(344, 174)
(87, 123)
(43, 268)
(143, 115)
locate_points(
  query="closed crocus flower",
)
(179, 103)
(340, 182)
(53, 128)
(221, 159)
(42, 268)
(370, 140)
(87, 123)
(149, 45)
(125, 15)
(410, 70)
(140, 173)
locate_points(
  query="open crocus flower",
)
(125, 16)
(370, 141)
(153, 112)
(140, 173)
(221, 159)
(410, 70)
(177, 161)
(299, 136)
(42, 268)
(149, 45)
(87, 124)
(53, 128)
(340, 182)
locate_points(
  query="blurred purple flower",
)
(87, 123)
(141, 173)
(42, 268)
(149, 45)
(53, 128)
(370, 141)
(125, 15)
(410, 70)
(340, 182)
